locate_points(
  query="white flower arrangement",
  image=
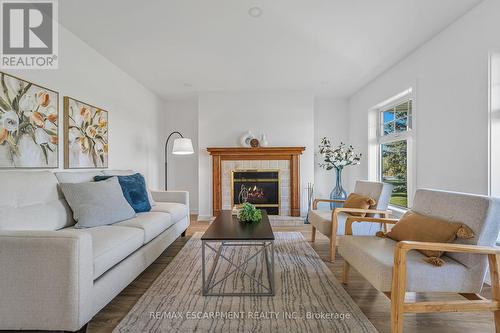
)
(337, 157)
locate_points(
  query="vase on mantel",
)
(338, 193)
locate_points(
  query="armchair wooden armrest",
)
(316, 201)
(360, 210)
(351, 219)
(474, 303)
(405, 246)
(336, 212)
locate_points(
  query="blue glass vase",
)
(338, 193)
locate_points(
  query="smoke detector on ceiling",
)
(255, 12)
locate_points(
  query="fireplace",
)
(258, 187)
(228, 159)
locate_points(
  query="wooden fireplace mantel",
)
(291, 154)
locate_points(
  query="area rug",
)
(308, 297)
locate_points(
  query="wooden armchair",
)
(394, 268)
(332, 222)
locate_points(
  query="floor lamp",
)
(182, 146)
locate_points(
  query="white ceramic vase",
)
(263, 141)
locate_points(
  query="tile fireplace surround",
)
(282, 166)
(284, 159)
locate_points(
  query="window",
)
(394, 140)
(397, 119)
(394, 170)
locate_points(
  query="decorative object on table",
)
(337, 157)
(310, 196)
(254, 143)
(263, 140)
(85, 135)
(182, 146)
(235, 211)
(246, 138)
(29, 118)
(134, 190)
(249, 213)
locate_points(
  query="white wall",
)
(133, 110)
(286, 118)
(450, 75)
(182, 116)
(495, 124)
(331, 119)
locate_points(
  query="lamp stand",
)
(166, 157)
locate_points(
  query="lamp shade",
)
(182, 146)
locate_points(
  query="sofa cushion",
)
(322, 220)
(373, 257)
(152, 223)
(176, 210)
(97, 203)
(112, 244)
(32, 201)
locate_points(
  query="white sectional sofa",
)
(56, 277)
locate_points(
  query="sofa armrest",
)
(46, 280)
(171, 196)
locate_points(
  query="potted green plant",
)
(248, 213)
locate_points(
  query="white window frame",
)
(493, 140)
(378, 139)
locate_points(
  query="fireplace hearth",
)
(258, 187)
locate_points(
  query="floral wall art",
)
(28, 124)
(85, 135)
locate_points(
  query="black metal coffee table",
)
(227, 231)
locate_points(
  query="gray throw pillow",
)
(97, 203)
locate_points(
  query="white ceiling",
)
(327, 47)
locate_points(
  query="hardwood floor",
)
(374, 304)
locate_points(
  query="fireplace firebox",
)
(258, 187)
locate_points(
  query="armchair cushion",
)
(417, 227)
(360, 201)
(322, 221)
(373, 257)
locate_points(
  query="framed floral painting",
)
(85, 135)
(29, 117)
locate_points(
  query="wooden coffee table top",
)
(228, 227)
